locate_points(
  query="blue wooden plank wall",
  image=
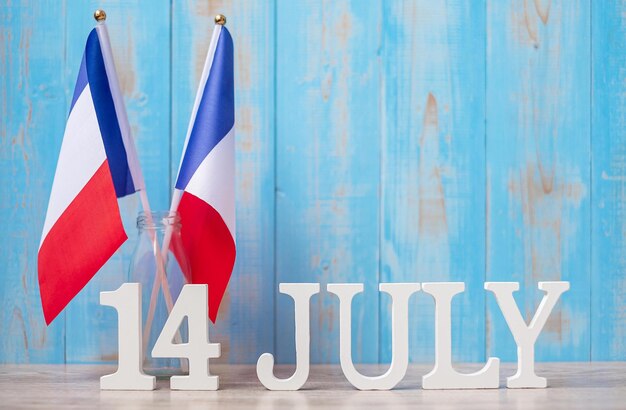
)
(538, 167)
(377, 141)
(433, 165)
(608, 180)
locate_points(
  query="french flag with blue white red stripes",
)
(83, 227)
(205, 187)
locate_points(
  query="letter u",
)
(400, 294)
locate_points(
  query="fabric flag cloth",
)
(205, 187)
(83, 226)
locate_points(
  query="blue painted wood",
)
(433, 166)
(246, 318)
(608, 181)
(327, 167)
(538, 149)
(32, 119)
(363, 156)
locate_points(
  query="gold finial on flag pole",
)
(220, 19)
(99, 15)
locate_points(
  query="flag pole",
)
(220, 20)
(133, 161)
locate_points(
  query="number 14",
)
(193, 304)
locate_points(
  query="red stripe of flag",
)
(84, 237)
(210, 248)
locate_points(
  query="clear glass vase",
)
(153, 229)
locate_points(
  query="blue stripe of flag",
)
(81, 82)
(216, 110)
(93, 71)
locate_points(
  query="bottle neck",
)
(159, 221)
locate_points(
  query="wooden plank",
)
(32, 112)
(608, 235)
(538, 148)
(571, 386)
(140, 39)
(433, 166)
(327, 148)
(246, 318)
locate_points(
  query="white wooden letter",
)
(400, 294)
(526, 336)
(443, 375)
(129, 375)
(301, 294)
(193, 304)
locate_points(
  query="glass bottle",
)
(153, 229)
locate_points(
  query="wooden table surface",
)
(571, 385)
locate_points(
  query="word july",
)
(192, 304)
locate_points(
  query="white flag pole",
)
(220, 20)
(133, 159)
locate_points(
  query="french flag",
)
(83, 226)
(204, 194)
